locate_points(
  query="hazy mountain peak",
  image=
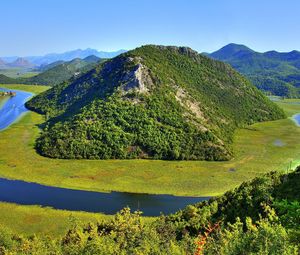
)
(2, 63)
(230, 50)
(67, 56)
(91, 59)
(21, 62)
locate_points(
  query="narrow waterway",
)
(26, 193)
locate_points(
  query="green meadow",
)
(258, 149)
(35, 89)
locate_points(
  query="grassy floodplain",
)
(35, 89)
(256, 153)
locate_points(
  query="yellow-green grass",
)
(28, 74)
(29, 220)
(35, 89)
(2, 100)
(290, 106)
(254, 147)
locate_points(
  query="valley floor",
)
(260, 148)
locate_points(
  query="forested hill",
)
(6, 80)
(57, 72)
(62, 72)
(152, 102)
(275, 72)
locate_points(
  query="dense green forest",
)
(56, 72)
(259, 217)
(275, 72)
(153, 102)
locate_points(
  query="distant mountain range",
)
(31, 61)
(2, 64)
(275, 72)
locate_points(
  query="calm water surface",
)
(26, 193)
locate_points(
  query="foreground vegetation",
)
(256, 153)
(259, 217)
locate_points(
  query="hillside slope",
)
(153, 102)
(3, 64)
(61, 72)
(275, 72)
(6, 80)
(56, 72)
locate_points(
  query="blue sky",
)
(35, 27)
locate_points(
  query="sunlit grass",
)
(35, 89)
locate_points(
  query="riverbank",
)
(3, 100)
(254, 146)
(8, 94)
